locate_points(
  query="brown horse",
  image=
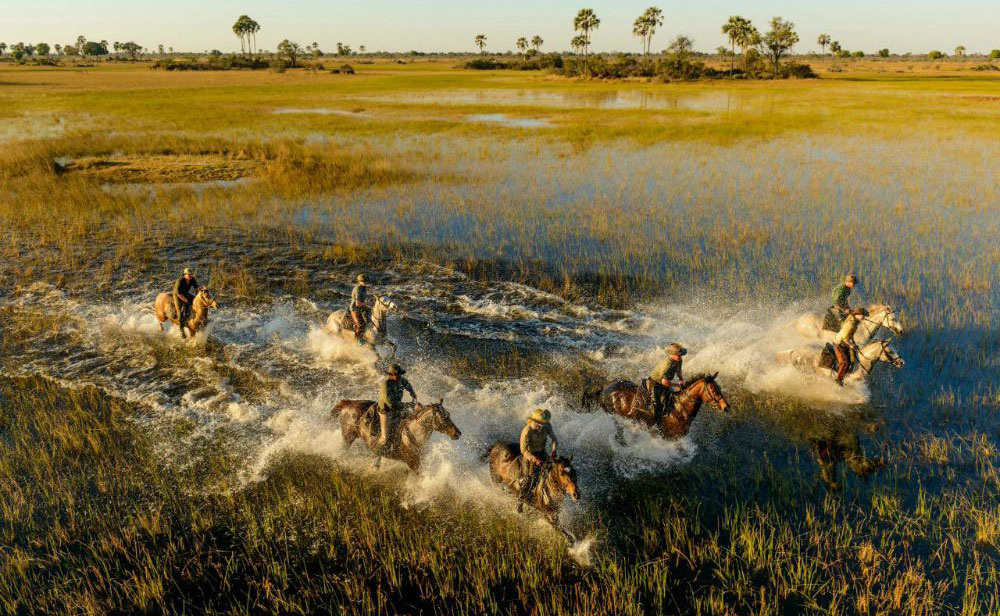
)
(203, 300)
(627, 399)
(558, 479)
(411, 433)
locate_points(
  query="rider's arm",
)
(177, 292)
(409, 388)
(555, 441)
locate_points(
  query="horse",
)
(164, 309)
(410, 433)
(341, 324)
(879, 316)
(822, 361)
(557, 480)
(626, 399)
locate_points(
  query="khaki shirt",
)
(533, 441)
(846, 333)
(359, 295)
(390, 393)
(668, 369)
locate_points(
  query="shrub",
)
(995, 54)
(883, 53)
(843, 53)
(485, 64)
(279, 66)
(935, 55)
(347, 69)
(794, 70)
(858, 54)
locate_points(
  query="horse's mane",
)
(702, 375)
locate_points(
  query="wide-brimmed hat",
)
(187, 271)
(360, 278)
(395, 370)
(541, 416)
(676, 349)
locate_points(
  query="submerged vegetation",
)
(650, 207)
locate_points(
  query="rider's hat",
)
(395, 370)
(541, 416)
(187, 271)
(361, 278)
(676, 349)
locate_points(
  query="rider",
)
(390, 400)
(841, 308)
(844, 346)
(185, 289)
(662, 379)
(359, 307)
(537, 430)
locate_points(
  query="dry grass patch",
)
(157, 169)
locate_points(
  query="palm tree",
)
(578, 43)
(252, 29)
(537, 42)
(481, 42)
(746, 38)
(522, 46)
(736, 29)
(823, 40)
(645, 26)
(586, 22)
(240, 30)
(960, 51)
(3, 48)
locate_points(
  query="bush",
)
(794, 70)
(935, 55)
(347, 69)
(986, 67)
(858, 54)
(883, 53)
(279, 66)
(485, 64)
(995, 54)
(843, 53)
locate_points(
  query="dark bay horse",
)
(558, 479)
(627, 399)
(411, 433)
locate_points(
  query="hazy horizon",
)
(449, 26)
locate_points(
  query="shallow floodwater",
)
(506, 120)
(610, 99)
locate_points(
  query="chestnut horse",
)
(410, 434)
(620, 398)
(558, 478)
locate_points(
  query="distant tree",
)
(42, 49)
(779, 40)
(343, 50)
(59, 49)
(960, 51)
(835, 47)
(3, 48)
(253, 28)
(160, 48)
(80, 42)
(215, 53)
(290, 50)
(132, 50)
(362, 49)
(843, 53)
(883, 53)
(823, 41)
(858, 54)
(682, 46)
(481, 42)
(645, 27)
(247, 30)
(724, 52)
(935, 55)
(90, 48)
(537, 42)
(117, 47)
(18, 51)
(522, 46)
(995, 54)
(585, 22)
(578, 42)
(316, 51)
(738, 29)
(104, 44)
(171, 50)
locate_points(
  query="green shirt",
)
(359, 295)
(533, 441)
(668, 369)
(840, 296)
(846, 333)
(390, 393)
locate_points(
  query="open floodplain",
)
(540, 236)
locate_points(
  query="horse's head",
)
(885, 316)
(208, 298)
(438, 419)
(889, 355)
(387, 303)
(564, 475)
(710, 392)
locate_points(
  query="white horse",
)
(819, 359)
(341, 324)
(879, 316)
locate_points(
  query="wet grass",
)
(763, 204)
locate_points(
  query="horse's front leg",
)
(553, 519)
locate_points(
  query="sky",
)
(450, 25)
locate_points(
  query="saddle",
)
(347, 322)
(828, 358)
(369, 418)
(642, 402)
